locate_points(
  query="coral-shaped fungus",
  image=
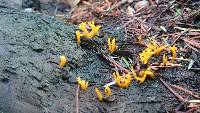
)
(83, 84)
(78, 37)
(165, 60)
(111, 45)
(145, 56)
(99, 95)
(155, 48)
(173, 49)
(89, 33)
(122, 81)
(142, 74)
(107, 91)
(63, 61)
(152, 49)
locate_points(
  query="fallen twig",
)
(179, 106)
(181, 59)
(193, 48)
(77, 101)
(115, 63)
(179, 36)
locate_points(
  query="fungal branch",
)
(63, 61)
(83, 84)
(142, 74)
(88, 30)
(122, 81)
(112, 45)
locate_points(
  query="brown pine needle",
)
(180, 98)
(181, 59)
(185, 90)
(169, 65)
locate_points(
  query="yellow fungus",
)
(139, 78)
(82, 26)
(111, 45)
(63, 61)
(94, 29)
(107, 91)
(91, 33)
(142, 74)
(155, 49)
(173, 49)
(165, 60)
(159, 49)
(152, 46)
(146, 55)
(152, 49)
(149, 72)
(142, 77)
(83, 84)
(122, 81)
(78, 37)
(117, 77)
(99, 95)
(128, 80)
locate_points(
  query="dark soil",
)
(32, 82)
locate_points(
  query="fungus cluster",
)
(100, 96)
(122, 81)
(142, 74)
(83, 84)
(152, 49)
(88, 30)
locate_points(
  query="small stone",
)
(130, 11)
(141, 5)
(28, 10)
(130, 1)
